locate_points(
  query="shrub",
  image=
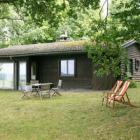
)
(133, 84)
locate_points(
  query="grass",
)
(73, 116)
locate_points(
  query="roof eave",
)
(43, 53)
(129, 43)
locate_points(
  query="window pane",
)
(33, 71)
(6, 75)
(63, 67)
(22, 73)
(70, 67)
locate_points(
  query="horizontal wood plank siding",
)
(49, 66)
(134, 53)
(49, 70)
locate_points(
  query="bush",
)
(133, 84)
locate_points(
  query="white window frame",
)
(67, 68)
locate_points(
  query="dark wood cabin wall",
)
(49, 71)
(102, 83)
(134, 53)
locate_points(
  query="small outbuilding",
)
(133, 52)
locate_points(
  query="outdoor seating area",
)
(41, 90)
(117, 94)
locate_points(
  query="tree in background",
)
(25, 22)
(121, 24)
(126, 15)
(44, 21)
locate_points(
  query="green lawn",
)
(73, 116)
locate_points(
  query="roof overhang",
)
(55, 48)
(129, 43)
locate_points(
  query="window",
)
(137, 64)
(67, 67)
(33, 71)
(22, 74)
(6, 75)
(130, 68)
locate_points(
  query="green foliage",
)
(109, 33)
(52, 10)
(133, 84)
(14, 29)
(106, 59)
(126, 14)
(80, 27)
(30, 34)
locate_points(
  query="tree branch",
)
(9, 18)
(7, 1)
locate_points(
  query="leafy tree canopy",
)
(51, 10)
(80, 18)
(121, 25)
(126, 14)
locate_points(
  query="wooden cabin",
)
(49, 62)
(133, 52)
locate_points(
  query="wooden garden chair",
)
(44, 90)
(34, 82)
(56, 90)
(26, 90)
(120, 97)
(113, 91)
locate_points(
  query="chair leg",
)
(128, 98)
(49, 92)
(40, 95)
(113, 104)
(24, 94)
(103, 101)
(107, 103)
(53, 92)
(129, 103)
(58, 93)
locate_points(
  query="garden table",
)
(39, 87)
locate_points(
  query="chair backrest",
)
(44, 87)
(59, 84)
(34, 81)
(117, 87)
(123, 90)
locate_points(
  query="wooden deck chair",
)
(56, 89)
(112, 92)
(120, 97)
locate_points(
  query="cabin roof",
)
(43, 48)
(129, 43)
